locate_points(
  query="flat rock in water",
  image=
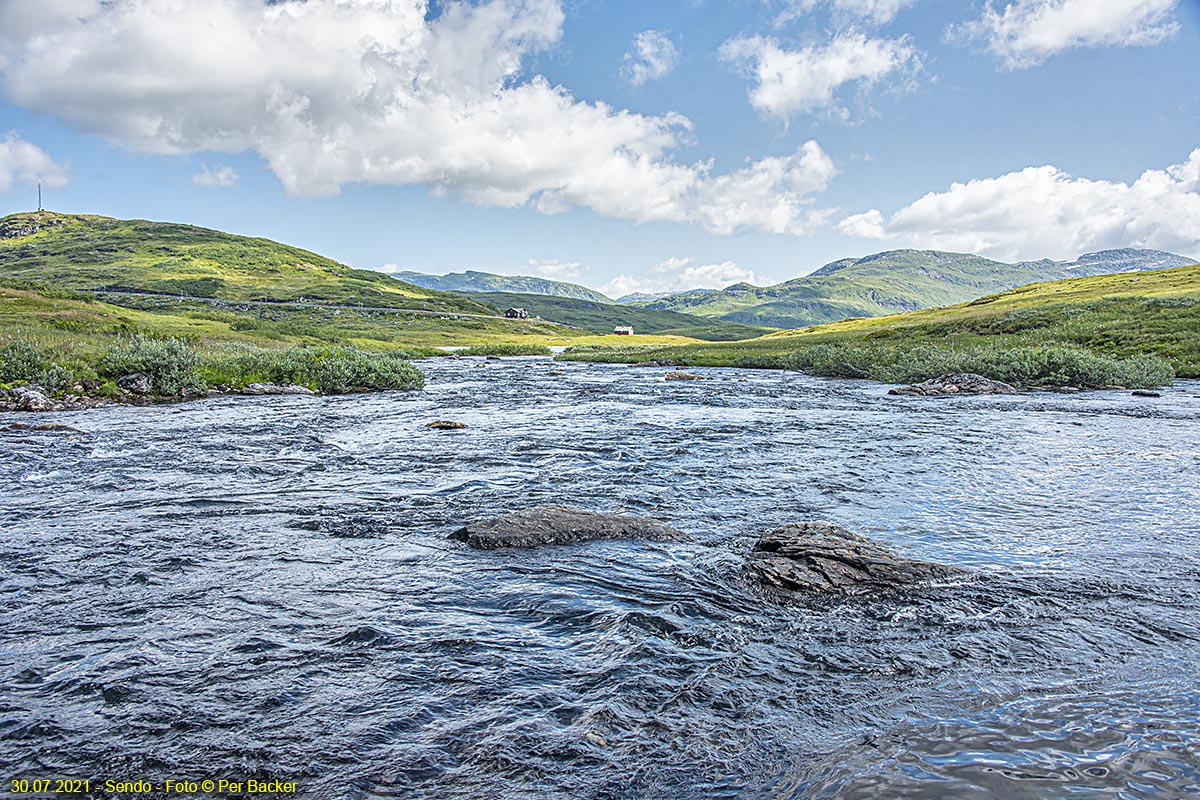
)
(534, 527)
(816, 557)
(447, 425)
(57, 427)
(679, 375)
(1145, 393)
(275, 388)
(961, 383)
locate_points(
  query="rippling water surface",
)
(263, 587)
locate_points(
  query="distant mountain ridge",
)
(473, 281)
(896, 281)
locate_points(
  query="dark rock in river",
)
(1144, 393)
(137, 383)
(447, 425)
(813, 557)
(962, 383)
(275, 388)
(534, 527)
(683, 376)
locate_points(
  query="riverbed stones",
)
(44, 427)
(135, 383)
(447, 425)
(276, 388)
(679, 375)
(550, 525)
(657, 362)
(27, 398)
(820, 557)
(960, 383)
(1145, 393)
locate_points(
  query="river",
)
(263, 587)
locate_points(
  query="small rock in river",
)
(447, 425)
(678, 375)
(813, 557)
(559, 525)
(596, 739)
(1144, 393)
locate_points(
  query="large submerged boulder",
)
(533, 527)
(961, 383)
(813, 557)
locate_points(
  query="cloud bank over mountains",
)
(376, 92)
(333, 93)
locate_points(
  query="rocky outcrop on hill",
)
(547, 525)
(816, 557)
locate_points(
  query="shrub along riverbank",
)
(177, 367)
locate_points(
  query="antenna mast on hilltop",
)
(40, 195)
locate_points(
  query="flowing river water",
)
(263, 587)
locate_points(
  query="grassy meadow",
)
(1133, 329)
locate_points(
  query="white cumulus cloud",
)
(788, 82)
(879, 12)
(653, 56)
(1042, 212)
(552, 269)
(683, 274)
(25, 162)
(222, 176)
(1027, 32)
(337, 92)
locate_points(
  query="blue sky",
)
(627, 146)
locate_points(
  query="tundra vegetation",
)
(1137, 330)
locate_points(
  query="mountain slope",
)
(85, 252)
(603, 317)
(890, 282)
(1065, 332)
(472, 281)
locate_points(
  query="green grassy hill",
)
(1132, 329)
(881, 284)
(85, 252)
(472, 281)
(603, 317)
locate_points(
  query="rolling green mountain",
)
(891, 282)
(603, 317)
(1136, 330)
(85, 252)
(75, 283)
(471, 281)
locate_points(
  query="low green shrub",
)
(1022, 366)
(333, 370)
(20, 360)
(23, 362)
(170, 364)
